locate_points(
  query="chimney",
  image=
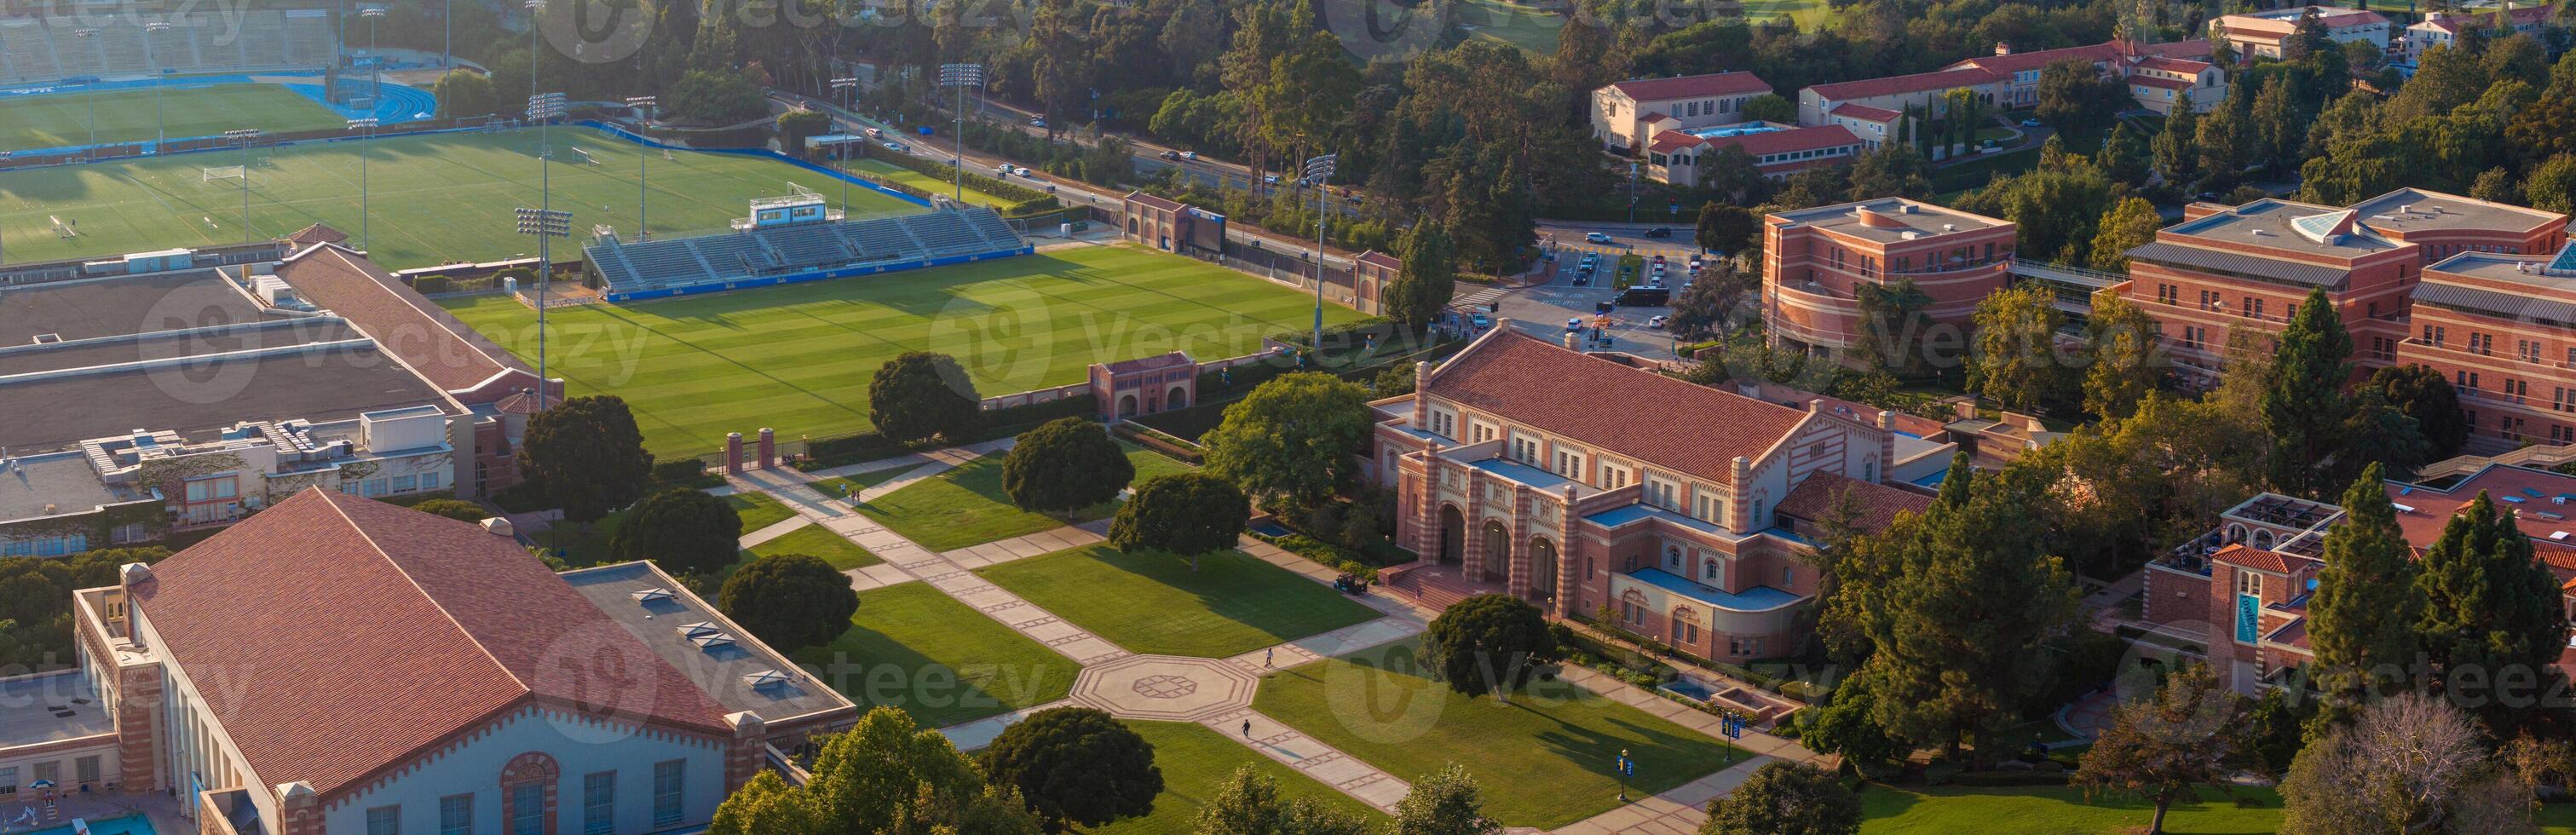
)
(1569, 340)
(2003, 47)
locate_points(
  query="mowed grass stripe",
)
(434, 198)
(799, 358)
(62, 119)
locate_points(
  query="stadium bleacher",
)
(788, 253)
(45, 49)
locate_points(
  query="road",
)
(1543, 310)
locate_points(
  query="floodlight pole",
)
(89, 89)
(245, 135)
(643, 193)
(366, 140)
(376, 61)
(161, 129)
(543, 221)
(961, 76)
(848, 86)
(1318, 170)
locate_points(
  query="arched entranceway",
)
(1178, 399)
(1126, 405)
(1453, 535)
(1542, 584)
(1498, 552)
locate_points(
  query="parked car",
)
(1002, 168)
(1480, 321)
(1269, 179)
(2030, 123)
(1037, 121)
(1660, 232)
(1596, 237)
(1171, 155)
(1604, 307)
(1192, 156)
(1021, 170)
(873, 133)
(1658, 322)
(1583, 279)
(1573, 323)
(894, 146)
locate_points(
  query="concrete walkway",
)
(783, 527)
(1023, 547)
(1678, 811)
(1311, 757)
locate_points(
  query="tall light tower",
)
(375, 61)
(89, 89)
(245, 135)
(848, 87)
(365, 142)
(544, 221)
(160, 129)
(961, 76)
(535, 8)
(644, 106)
(1318, 170)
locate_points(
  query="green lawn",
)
(820, 542)
(1153, 603)
(435, 199)
(799, 357)
(967, 506)
(833, 488)
(1196, 764)
(62, 120)
(883, 170)
(1528, 27)
(1548, 758)
(914, 648)
(2062, 810)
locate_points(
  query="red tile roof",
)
(334, 636)
(2432, 509)
(1916, 83)
(1382, 260)
(1692, 86)
(2238, 554)
(2097, 53)
(1694, 429)
(1154, 201)
(1819, 497)
(316, 234)
(1867, 113)
(2160, 81)
(2181, 65)
(447, 352)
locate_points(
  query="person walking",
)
(1247, 729)
(1265, 656)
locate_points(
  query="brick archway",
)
(528, 794)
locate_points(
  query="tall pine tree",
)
(2361, 620)
(1429, 276)
(2492, 625)
(2303, 407)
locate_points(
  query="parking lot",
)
(1543, 310)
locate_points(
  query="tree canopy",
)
(1189, 513)
(1785, 798)
(1292, 438)
(1487, 643)
(1076, 766)
(587, 456)
(2168, 748)
(791, 601)
(682, 530)
(1065, 464)
(919, 394)
(883, 775)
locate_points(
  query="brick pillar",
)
(138, 726)
(1516, 568)
(299, 810)
(1740, 496)
(768, 448)
(1886, 443)
(743, 755)
(1569, 564)
(1471, 553)
(733, 453)
(1426, 530)
(1421, 395)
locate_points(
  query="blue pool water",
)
(1688, 689)
(1271, 529)
(128, 825)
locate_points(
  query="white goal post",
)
(225, 172)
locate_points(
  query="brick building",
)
(2263, 34)
(2160, 77)
(1630, 113)
(1580, 482)
(1815, 261)
(2502, 329)
(407, 672)
(2224, 269)
(2241, 590)
(1777, 150)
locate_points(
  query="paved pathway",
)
(1023, 547)
(1311, 757)
(783, 527)
(1678, 811)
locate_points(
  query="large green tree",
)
(1449, 802)
(1065, 464)
(2427, 396)
(2130, 224)
(2361, 620)
(2126, 363)
(1428, 278)
(2410, 763)
(791, 601)
(2493, 624)
(1785, 798)
(1076, 766)
(1293, 438)
(1183, 513)
(2168, 748)
(587, 456)
(1725, 228)
(2303, 406)
(1249, 804)
(884, 775)
(682, 530)
(1489, 643)
(919, 394)
(2075, 97)
(2016, 362)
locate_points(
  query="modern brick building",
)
(1580, 482)
(1816, 260)
(2225, 269)
(2241, 590)
(2161, 77)
(1631, 113)
(2502, 329)
(341, 665)
(1777, 150)
(2262, 34)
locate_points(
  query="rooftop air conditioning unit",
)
(1949, 227)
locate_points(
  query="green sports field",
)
(435, 199)
(798, 358)
(62, 120)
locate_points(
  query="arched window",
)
(2262, 540)
(527, 793)
(1673, 558)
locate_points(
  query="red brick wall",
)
(138, 721)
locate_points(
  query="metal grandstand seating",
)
(871, 238)
(809, 246)
(171, 48)
(121, 50)
(306, 34)
(786, 252)
(79, 56)
(943, 233)
(26, 53)
(263, 40)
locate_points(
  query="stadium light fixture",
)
(367, 124)
(245, 135)
(160, 129)
(961, 76)
(848, 87)
(545, 224)
(376, 61)
(643, 193)
(1319, 169)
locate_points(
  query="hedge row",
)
(1150, 438)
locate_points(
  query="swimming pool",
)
(128, 825)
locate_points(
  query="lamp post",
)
(1318, 170)
(848, 87)
(543, 221)
(89, 89)
(961, 76)
(367, 124)
(160, 129)
(375, 61)
(643, 193)
(245, 135)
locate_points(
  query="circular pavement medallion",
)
(1165, 687)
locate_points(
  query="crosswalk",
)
(1480, 298)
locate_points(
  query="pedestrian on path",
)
(1247, 729)
(1265, 656)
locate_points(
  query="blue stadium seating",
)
(666, 267)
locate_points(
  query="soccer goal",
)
(64, 228)
(225, 172)
(586, 158)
